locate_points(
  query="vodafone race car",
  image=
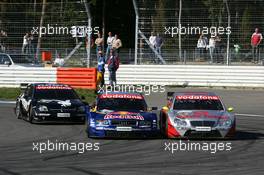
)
(120, 114)
(196, 115)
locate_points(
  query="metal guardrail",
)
(174, 75)
(191, 75)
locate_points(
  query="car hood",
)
(124, 115)
(200, 114)
(60, 103)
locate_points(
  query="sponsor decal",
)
(196, 97)
(128, 96)
(43, 87)
(199, 114)
(124, 115)
(65, 103)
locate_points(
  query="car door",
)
(26, 98)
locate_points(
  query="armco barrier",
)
(191, 75)
(76, 77)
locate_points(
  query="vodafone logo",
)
(196, 97)
(128, 96)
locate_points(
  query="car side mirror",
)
(230, 109)
(7, 63)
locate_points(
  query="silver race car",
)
(196, 114)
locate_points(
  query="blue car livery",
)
(119, 114)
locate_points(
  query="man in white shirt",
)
(25, 43)
(152, 39)
(110, 40)
(212, 48)
(58, 62)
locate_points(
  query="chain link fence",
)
(196, 17)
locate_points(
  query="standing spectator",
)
(158, 43)
(218, 48)
(256, 39)
(152, 39)
(99, 43)
(3, 36)
(59, 61)
(117, 44)
(110, 40)
(113, 65)
(201, 46)
(25, 44)
(212, 48)
(30, 43)
(100, 69)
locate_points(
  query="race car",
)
(121, 114)
(196, 115)
(44, 102)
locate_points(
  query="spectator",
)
(218, 48)
(256, 39)
(58, 62)
(99, 43)
(152, 39)
(201, 46)
(30, 43)
(100, 69)
(3, 36)
(113, 65)
(117, 44)
(25, 44)
(110, 40)
(158, 43)
(212, 48)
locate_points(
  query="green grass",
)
(13, 93)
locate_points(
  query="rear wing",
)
(23, 86)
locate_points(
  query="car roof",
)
(195, 93)
(50, 84)
(120, 92)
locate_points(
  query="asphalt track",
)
(135, 156)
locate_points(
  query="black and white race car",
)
(42, 102)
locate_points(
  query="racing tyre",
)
(18, 111)
(30, 115)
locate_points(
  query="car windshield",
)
(60, 94)
(190, 104)
(121, 104)
(21, 59)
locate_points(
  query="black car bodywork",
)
(43, 102)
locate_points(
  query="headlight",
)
(43, 108)
(145, 123)
(81, 109)
(225, 123)
(101, 122)
(179, 122)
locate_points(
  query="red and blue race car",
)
(121, 114)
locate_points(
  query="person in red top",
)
(256, 39)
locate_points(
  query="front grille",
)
(63, 109)
(124, 123)
(133, 134)
(203, 123)
(199, 134)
